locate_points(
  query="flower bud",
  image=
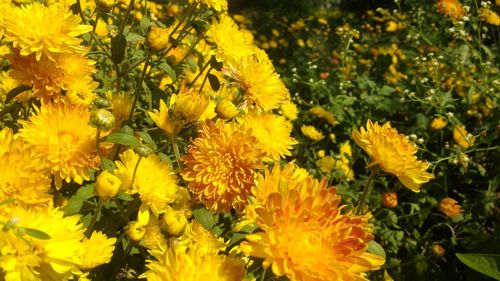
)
(135, 231)
(175, 221)
(438, 123)
(107, 185)
(390, 200)
(144, 150)
(438, 250)
(102, 119)
(450, 207)
(157, 38)
(102, 103)
(226, 109)
(105, 5)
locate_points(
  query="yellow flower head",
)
(452, 8)
(107, 185)
(462, 137)
(393, 153)
(164, 120)
(312, 133)
(154, 180)
(221, 164)
(97, 250)
(438, 250)
(490, 16)
(272, 132)
(31, 258)
(324, 114)
(306, 237)
(450, 207)
(40, 29)
(438, 123)
(68, 148)
(218, 5)
(190, 105)
(23, 174)
(262, 85)
(289, 110)
(121, 106)
(231, 42)
(158, 38)
(226, 109)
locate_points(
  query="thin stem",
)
(127, 15)
(97, 141)
(94, 217)
(176, 151)
(135, 171)
(204, 80)
(201, 72)
(139, 84)
(366, 191)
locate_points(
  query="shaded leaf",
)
(487, 264)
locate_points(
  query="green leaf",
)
(192, 64)
(118, 45)
(147, 139)
(76, 201)
(133, 37)
(108, 164)
(123, 139)
(214, 82)
(16, 91)
(204, 216)
(375, 248)
(36, 233)
(7, 201)
(168, 69)
(487, 264)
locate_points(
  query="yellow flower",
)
(231, 42)
(175, 221)
(164, 120)
(450, 207)
(23, 174)
(31, 258)
(68, 148)
(48, 30)
(97, 250)
(262, 85)
(221, 164)
(289, 110)
(438, 250)
(324, 114)
(272, 132)
(121, 106)
(391, 26)
(7, 83)
(326, 164)
(136, 231)
(190, 105)
(218, 5)
(226, 109)
(452, 8)
(390, 200)
(158, 38)
(312, 133)
(462, 137)
(490, 16)
(107, 185)
(438, 123)
(393, 153)
(306, 237)
(194, 264)
(154, 180)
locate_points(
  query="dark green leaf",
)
(205, 217)
(16, 91)
(108, 164)
(487, 264)
(76, 201)
(36, 233)
(118, 45)
(123, 139)
(214, 82)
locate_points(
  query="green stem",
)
(97, 141)
(127, 15)
(204, 80)
(94, 217)
(176, 151)
(135, 171)
(366, 191)
(201, 72)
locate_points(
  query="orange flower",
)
(452, 8)
(450, 207)
(390, 200)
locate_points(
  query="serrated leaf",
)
(487, 264)
(168, 69)
(214, 82)
(204, 217)
(123, 139)
(16, 91)
(118, 45)
(36, 233)
(375, 248)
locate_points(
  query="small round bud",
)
(102, 119)
(226, 109)
(102, 103)
(157, 38)
(438, 250)
(107, 185)
(135, 231)
(175, 221)
(105, 5)
(438, 123)
(390, 200)
(144, 150)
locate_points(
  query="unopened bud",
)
(107, 185)
(136, 231)
(144, 150)
(102, 119)
(390, 200)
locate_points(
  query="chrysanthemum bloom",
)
(312, 133)
(121, 105)
(218, 5)
(262, 85)
(452, 8)
(31, 258)
(462, 137)
(68, 148)
(306, 237)
(231, 42)
(324, 114)
(28, 28)
(390, 200)
(393, 153)
(154, 180)
(97, 250)
(221, 164)
(23, 174)
(438, 123)
(450, 207)
(194, 264)
(289, 110)
(490, 16)
(226, 109)
(272, 132)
